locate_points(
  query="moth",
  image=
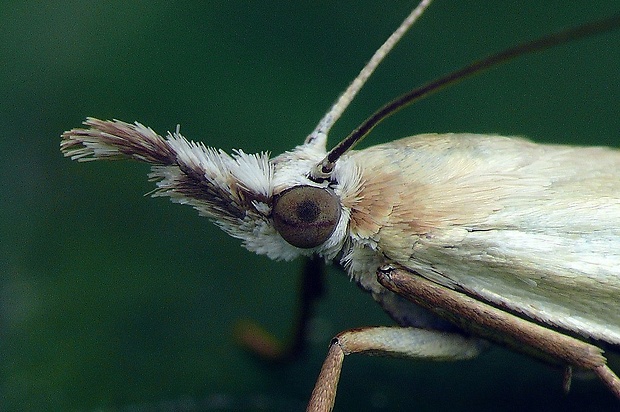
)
(461, 238)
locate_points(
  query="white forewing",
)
(532, 228)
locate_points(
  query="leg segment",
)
(396, 341)
(497, 325)
(266, 346)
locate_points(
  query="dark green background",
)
(114, 301)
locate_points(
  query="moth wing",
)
(568, 282)
(528, 227)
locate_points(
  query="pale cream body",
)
(530, 227)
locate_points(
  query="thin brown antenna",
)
(323, 170)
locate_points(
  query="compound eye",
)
(305, 216)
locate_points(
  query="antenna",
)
(319, 135)
(323, 170)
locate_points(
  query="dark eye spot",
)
(305, 216)
(308, 211)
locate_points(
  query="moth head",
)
(302, 216)
(272, 205)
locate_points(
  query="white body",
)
(525, 226)
(530, 227)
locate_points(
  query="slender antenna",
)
(319, 135)
(323, 170)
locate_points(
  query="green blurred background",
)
(114, 301)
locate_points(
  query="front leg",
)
(395, 341)
(263, 344)
(498, 325)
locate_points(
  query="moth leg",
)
(266, 346)
(609, 378)
(498, 325)
(395, 341)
